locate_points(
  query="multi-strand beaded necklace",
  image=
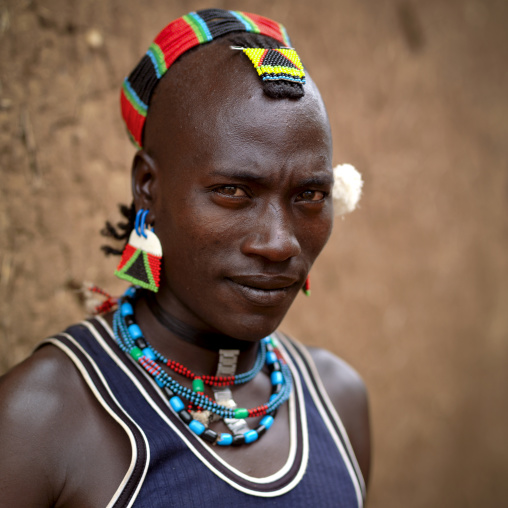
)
(130, 339)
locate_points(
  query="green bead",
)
(136, 353)
(198, 385)
(241, 412)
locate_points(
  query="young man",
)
(235, 177)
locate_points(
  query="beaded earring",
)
(306, 286)
(141, 258)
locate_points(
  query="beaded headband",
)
(175, 39)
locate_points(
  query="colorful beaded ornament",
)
(282, 64)
(141, 258)
(130, 339)
(306, 286)
(96, 300)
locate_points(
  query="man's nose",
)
(272, 236)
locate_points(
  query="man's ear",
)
(145, 175)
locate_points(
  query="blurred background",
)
(412, 289)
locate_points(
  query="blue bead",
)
(276, 378)
(271, 357)
(160, 382)
(148, 352)
(197, 427)
(135, 331)
(225, 439)
(267, 421)
(131, 292)
(126, 309)
(273, 396)
(176, 403)
(250, 436)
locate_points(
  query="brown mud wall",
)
(412, 289)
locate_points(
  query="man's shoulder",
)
(348, 395)
(37, 390)
(48, 376)
(35, 399)
(57, 439)
(341, 379)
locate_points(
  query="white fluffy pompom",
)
(347, 188)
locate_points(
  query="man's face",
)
(242, 203)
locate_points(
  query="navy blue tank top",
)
(172, 467)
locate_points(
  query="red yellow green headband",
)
(175, 39)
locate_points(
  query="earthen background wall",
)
(412, 288)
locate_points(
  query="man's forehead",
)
(215, 85)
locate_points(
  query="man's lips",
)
(264, 290)
(265, 282)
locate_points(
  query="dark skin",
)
(238, 187)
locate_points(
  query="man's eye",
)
(311, 195)
(231, 190)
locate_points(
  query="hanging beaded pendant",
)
(130, 339)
